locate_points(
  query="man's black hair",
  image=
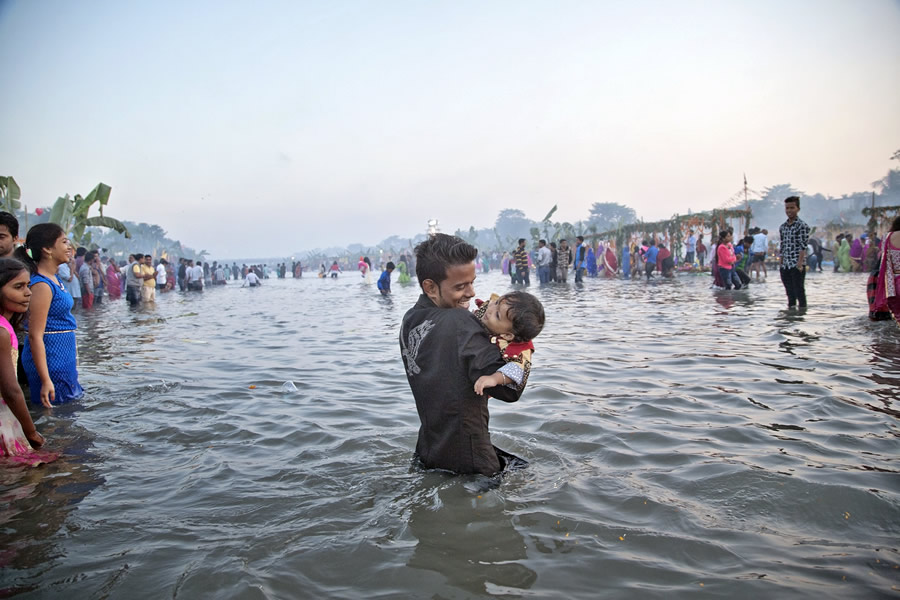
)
(794, 199)
(526, 313)
(521, 240)
(11, 222)
(440, 252)
(390, 266)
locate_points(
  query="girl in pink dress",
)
(18, 436)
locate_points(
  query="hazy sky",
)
(265, 128)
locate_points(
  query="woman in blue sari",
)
(591, 262)
(50, 356)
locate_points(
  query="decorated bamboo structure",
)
(677, 226)
(879, 216)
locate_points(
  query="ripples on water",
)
(682, 440)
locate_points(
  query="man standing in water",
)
(445, 350)
(691, 248)
(794, 237)
(563, 260)
(544, 258)
(580, 251)
(521, 256)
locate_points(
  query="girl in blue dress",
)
(50, 356)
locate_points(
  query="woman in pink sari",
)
(887, 293)
(170, 276)
(113, 285)
(610, 262)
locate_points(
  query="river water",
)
(682, 440)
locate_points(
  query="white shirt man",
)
(194, 276)
(161, 275)
(544, 258)
(760, 243)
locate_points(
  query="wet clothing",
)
(59, 346)
(563, 260)
(384, 282)
(794, 239)
(888, 285)
(14, 445)
(444, 351)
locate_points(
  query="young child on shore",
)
(513, 321)
(18, 435)
(384, 282)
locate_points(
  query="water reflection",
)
(468, 537)
(38, 502)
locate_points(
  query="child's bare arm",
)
(489, 381)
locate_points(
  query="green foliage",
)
(10, 193)
(72, 214)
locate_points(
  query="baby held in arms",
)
(512, 320)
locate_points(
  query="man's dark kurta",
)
(445, 350)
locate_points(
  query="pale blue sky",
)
(268, 127)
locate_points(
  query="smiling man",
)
(445, 350)
(9, 232)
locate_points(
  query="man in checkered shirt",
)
(794, 237)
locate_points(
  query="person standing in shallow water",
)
(794, 238)
(445, 350)
(887, 293)
(50, 357)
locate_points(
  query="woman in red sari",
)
(887, 293)
(113, 285)
(610, 262)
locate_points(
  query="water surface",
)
(682, 440)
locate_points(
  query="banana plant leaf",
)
(61, 213)
(550, 214)
(115, 224)
(98, 194)
(11, 193)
